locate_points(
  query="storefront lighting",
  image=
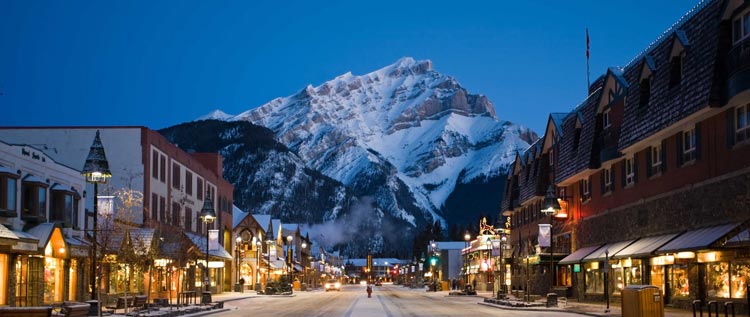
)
(686, 255)
(627, 262)
(594, 265)
(708, 257)
(61, 250)
(670, 258)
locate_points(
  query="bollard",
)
(715, 304)
(697, 303)
(726, 309)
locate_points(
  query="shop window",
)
(8, 196)
(727, 280)
(742, 123)
(657, 277)
(679, 280)
(594, 278)
(4, 265)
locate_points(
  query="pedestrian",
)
(474, 284)
(369, 291)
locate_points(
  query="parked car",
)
(378, 283)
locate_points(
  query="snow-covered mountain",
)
(405, 134)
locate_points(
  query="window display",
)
(680, 282)
(594, 278)
(727, 280)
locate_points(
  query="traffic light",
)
(433, 260)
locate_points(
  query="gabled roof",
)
(200, 243)
(573, 160)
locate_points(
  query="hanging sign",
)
(545, 234)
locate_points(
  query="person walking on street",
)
(369, 291)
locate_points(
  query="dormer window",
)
(605, 119)
(645, 92)
(677, 68)
(741, 28)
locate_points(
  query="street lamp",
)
(269, 241)
(238, 286)
(258, 246)
(96, 171)
(289, 257)
(208, 215)
(467, 238)
(551, 207)
(302, 259)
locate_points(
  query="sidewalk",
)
(582, 308)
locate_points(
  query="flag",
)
(588, 43)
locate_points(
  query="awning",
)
(29, 178)
(612, 248)
(644, 246)
(578, 255)
(7, 237)
(27, 243)
(298, 268)
(697, 239)
(78, 248)
(7, 172)
(62, 188)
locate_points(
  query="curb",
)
(543, 310)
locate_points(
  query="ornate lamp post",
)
(551, 207)
(208, 215)
(467, 238)
(302, 257)
(96, 171)
(256, 276)
(289, 257)
(270, 242)
(238, 287)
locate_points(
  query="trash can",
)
(94, 307)
(206, 298)
(297, 286)
(445, 285)
(642, 301)
(551, 299)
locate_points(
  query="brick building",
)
(654, 169)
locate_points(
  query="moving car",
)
(333, 286)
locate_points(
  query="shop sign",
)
(79, 252)
(25, 246)
(576, 268)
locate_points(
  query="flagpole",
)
(588, 71)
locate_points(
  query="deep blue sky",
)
(159, 63)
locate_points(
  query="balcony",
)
(737, 68)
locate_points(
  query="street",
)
(387, 300)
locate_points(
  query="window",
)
(175, 214)
(163, 210)
(741, 123)
(199, 188)
(163, 169)
(727, 279)
(629, 171)
(154, 207)
(585, 189)
(655, 155)
(188, 183)
(8, 195)
(688, 145)
(608, 184)
(34, 201)
(677, 66)
(605, 119)
(741, 28)
(576, 138)
(155, 164)
(175, 176)
(188, 219)
(645, 93)
(61, 208)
